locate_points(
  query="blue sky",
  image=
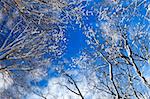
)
(76, 40)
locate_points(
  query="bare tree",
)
(117, 35)
(119, 47)
(120, 44)
(30, 39)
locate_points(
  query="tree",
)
(120, 48)
(114, 65)
(30, 39)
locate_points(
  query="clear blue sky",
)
(76, 40)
